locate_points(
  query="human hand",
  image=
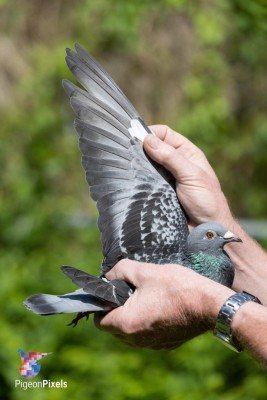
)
(199, 191)
(171, 304)
(198, 187)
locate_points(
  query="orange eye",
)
(210, 235)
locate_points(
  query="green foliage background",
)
(198, 66)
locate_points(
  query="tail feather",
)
(115, 292)
(95, 295)
(75, 302)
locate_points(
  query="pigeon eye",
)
(210, 235)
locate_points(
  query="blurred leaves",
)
(197, 66)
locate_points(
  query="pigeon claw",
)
(79, 316)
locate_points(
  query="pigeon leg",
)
(79, 316)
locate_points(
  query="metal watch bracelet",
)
(226, 314)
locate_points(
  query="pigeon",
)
(140, 216)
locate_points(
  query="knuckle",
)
(145, 271)
(121, 266)
(121, 263)
(165, 127)
(193, 152)
(168, 153)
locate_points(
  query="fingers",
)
(180, 166)
(136, 273)
(129, 271)
(169, 136)
(110, 322)
(182, 145)
(120, 321)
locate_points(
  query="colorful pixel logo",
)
(30, 366)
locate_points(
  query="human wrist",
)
(204, 301)
(250, 262)
(249, 258)
(199, 298)
(250, 254)
(240, 318)
(224, 215)
(214, 295)
(249, 327)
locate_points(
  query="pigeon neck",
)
(217, 267)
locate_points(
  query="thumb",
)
(171, 158)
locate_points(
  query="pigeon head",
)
(206, 255)
(210, 237)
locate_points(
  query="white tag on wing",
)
(137, 130)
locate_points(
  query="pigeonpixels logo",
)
(30, 366)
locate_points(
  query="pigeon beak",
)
(231, 237)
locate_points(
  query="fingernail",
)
(153, 141)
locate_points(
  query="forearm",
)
(250, 254)
(249, 325)
(250, 262)
(173, 304)
(250, 328)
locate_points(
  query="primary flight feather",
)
(140, 216)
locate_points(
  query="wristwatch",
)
(224, 319)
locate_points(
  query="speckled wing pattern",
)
(140, 216)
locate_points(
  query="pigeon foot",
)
(79, 316)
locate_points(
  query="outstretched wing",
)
(139, 214)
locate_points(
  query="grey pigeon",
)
(140, 217)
